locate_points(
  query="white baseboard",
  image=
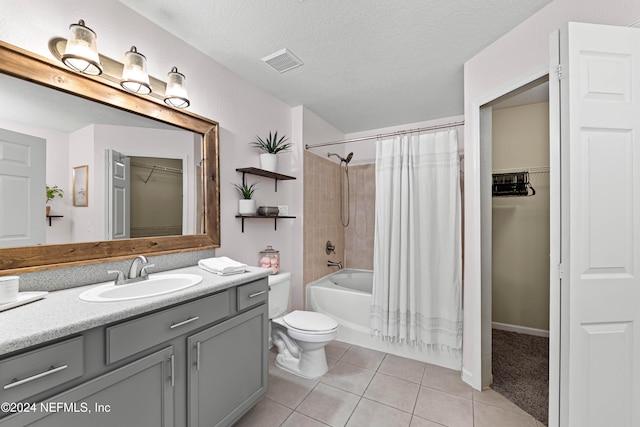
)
(520, 329)
(467, 376)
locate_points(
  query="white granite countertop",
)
(63, 313)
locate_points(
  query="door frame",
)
(476, 268)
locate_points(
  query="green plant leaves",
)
(246, 190)
(272, 144)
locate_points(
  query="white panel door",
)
(118, 196)
(22, 189)
(600, 221)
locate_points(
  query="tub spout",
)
(334, 264)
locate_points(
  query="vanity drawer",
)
(30, 373)
(252, 293)
(128, 338)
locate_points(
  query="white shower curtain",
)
(418, 250)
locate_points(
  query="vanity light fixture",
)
(176, 92)
(81, 53)
(134, 74)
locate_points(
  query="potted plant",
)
(52, 193)
(246, 205)
(271, 146)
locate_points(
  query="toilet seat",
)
(309, 322)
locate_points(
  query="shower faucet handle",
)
(330, 248)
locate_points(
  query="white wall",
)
(317, 130)
(87, 222)
(241, 109)
(518, 57)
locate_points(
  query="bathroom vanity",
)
(196, 357)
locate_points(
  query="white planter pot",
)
(269, 162)
(247, 207)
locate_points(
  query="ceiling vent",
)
(282, 60)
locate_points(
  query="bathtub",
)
(346, 296)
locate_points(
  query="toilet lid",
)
(309, 321)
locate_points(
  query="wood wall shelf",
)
(53, 216)
(268, 174)
(274, 218)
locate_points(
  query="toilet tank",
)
(279, 287)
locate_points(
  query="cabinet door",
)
(138, 394)
(228, 372)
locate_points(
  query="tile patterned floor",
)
(367, 388)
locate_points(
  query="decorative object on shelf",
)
(80, 189)
(246, 205)
(283, 210)
(268, 210)
(52, 192)
(80, 53)
(273, 175)
(271, 146)
(270, 258)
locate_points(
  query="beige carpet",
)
(521, 371)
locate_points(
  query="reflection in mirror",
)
(161, 192)
(37, 257)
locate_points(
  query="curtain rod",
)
(382, 135)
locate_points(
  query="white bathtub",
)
(346, 296)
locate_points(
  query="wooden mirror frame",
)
(28, 66)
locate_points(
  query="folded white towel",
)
(222, 266)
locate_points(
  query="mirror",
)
(155, 197)
(184, 151)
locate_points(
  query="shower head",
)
(349, 157)
(342, 159)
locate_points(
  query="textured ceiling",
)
(367, 63)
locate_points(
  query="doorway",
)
(520, 248)
(516, 246)
(156, 196)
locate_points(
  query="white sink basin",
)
(157, 284)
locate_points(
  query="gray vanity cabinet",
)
(199, 363)
(228, 373)
(137, 394)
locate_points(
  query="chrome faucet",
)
(334, 264)
(137, 271)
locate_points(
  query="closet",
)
(520, 218)
(156, 196)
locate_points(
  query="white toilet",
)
(300, 336)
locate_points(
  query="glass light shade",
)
(176, 92)
(81, 53)
(134, 74)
